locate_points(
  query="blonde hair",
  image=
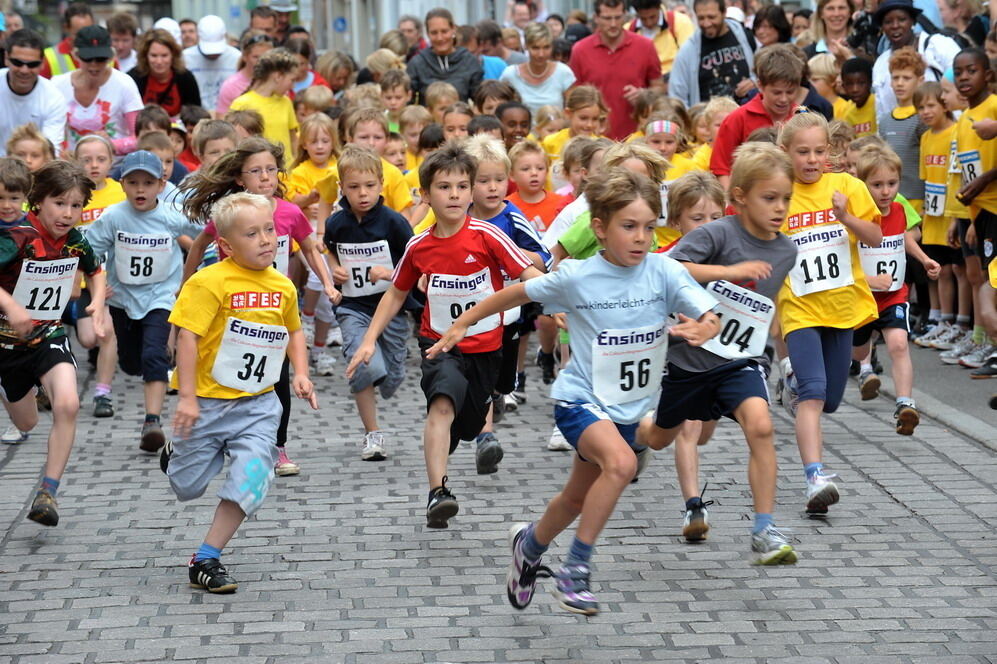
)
(367, 94)
(29, 132)
(332, 61)
(873, 157)
(656, 165)
(437, 91)
(801, 121)
(354, 117)
(383, 60)
(615, 188)
(317, 98)
(546, 115)
(862, 142)
(211, 130)
(574, 149)
(249, 119)
(691, 188)
(358, 159)
(524, 148)
(225, 211)
(718, 105)
(584, 96)
(824, 66)
(414, 114)
(840, 135)
(754, 162)
(311, 125)
(488, 149)
(536, 33)
(93, 138)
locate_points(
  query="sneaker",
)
(777, 396)
(869, 385)
(325, 363)
(442, 506)
(211, 575)
(164, 456)
(772, 547)
(821, 494)
(696, 524)
(498, 408)
(906, 418)
(13, 436)
(978, 357)
(510, 403)
(284, 465)
(44, 509)
(790, 398)
(572, 590)
(546, 363)
(521, 579)
(335, 336)
(488, 454)
(153, 437)
(854, 368)
(964, 346)
(949, 338)
(42, 399)
(643, 458)
(557, 442)
(935, 331)
(373, 447)
(520, 392)
(988, 370)
(102, 406)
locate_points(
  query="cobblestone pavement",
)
(338, 566)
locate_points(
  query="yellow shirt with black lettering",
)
(974, 153)
(100, 200)
(227, 290)
(306, 176)
(395, 190)
(933, 168)
(862, 120)
(844, 307)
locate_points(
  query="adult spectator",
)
(541, 80)
(666, 28)
(716, 61)
(212, 61)
(770, 26)
(253, 44)
(444, 60)
(171, 26)
(14, 20)
(337, 68)
(519, 18)
(306, 76)
(24, 95)
(263, 18)
(411, 29)
(161, 76)
(966, 18)
(100, 99)
(188, 32)
(831, 26)
(123, 27)
(284, 9)
(556, 24)
(58, 59)
(491, 67)
(490, 41)
(618, 62)
(897, 19)
(801, 21)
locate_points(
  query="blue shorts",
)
(708, 395)
(573, 418)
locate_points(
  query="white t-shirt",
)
(564, 220)
(210, 74)
(44, 106)
(938, 51)
(116, 98)
(550, 91)
(129, 62)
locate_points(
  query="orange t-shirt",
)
(540, 215)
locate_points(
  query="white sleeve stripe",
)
(408, 247)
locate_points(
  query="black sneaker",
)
(164, 456)
(153, 437)
(102, 406)
(44, 509)
(211, 575)
(42, 399)
(988, 370)
(442, 506)
(487, 454)
(546, 363)
(498, 407)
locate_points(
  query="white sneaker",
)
(13, 436)
(557, 442)
(949, 338)
(511, 403)
(926, 339)
(373, 447)
(963, 346)
(978, 357)
(325, 363)
(335, 337)
(790, 398)
(821, 493)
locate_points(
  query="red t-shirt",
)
(634, 62)
(541, 215)
(462, 270)
(189, 159)
(735, 128)
(893, 224)
(166, 94)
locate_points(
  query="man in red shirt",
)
(619, 63)
(59, 59)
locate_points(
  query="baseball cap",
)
(93, 41)
(211, 35)
(283, 6)
(142, 160)
(170, 25)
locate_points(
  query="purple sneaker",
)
(573, 592)
(521, 580)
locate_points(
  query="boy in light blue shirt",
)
(137, 240)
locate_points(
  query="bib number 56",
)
(635, 374)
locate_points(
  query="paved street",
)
(338, 566)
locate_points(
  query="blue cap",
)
(142, 160)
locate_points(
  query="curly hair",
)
(163, 38)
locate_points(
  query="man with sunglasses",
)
(59, 59)
(25, 96)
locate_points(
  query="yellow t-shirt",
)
(681, 165)
(840, 107)
(862, 120)
(224, 291)
(954, 208)
(977, 156)
(279, 119)
(701, 160)
(426, 222)
(412, 162)
(553, 145)
(395, 190)
(993, 273)
(634, 136)
(101, 200)
(933, 169)
(665, 236)
(305, 176)
(844, 307)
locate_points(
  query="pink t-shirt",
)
(234, 86)
(289, 222)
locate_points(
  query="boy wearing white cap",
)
(212, 60)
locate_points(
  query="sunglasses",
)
(259, 39)
(98, 60)
(30, 64)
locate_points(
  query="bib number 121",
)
(48, 298)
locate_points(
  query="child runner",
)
(618, 304)
(396, 94)
(136, 239)
(15, 183)
(856, 81)
(516, 121)
(532, 198)
(411, 123)
(28, 143)
(455, 120)
(462, 260)
(366, 241)
(826, 295)
(583, 105)
(394, 151)
(901, 128)
(38, 264)
(273, 78)
(238, 322)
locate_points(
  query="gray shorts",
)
(387, 367)
(244, 429)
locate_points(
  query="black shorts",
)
(943, 254)
(77, 309)
(468, 379)
(142, 344)
(708, 395)
(21, 370)
(505, 383)
(986, 237)
(528, 317)
(962, 225)
(897, 316)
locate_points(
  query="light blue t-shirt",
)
(618, 318)
(144, 263)
(551, 91)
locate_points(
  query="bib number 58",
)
(635, 374)
(140, 266)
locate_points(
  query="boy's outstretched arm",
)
(696, 332)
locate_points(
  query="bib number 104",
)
(254, 368)
(635, 374)
(48, 298)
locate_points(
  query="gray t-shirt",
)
(726, 242)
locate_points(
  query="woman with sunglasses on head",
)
(101, 99)
(254, 44)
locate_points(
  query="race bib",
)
(142, 259)
(954, 158)
(627, 364)
(250, 356)
(745, 319)
(823, 260)
(971, 165)
(510, 316)
(934, 199)
(44, 287)
(282, 257)
(357, 259)
(450, 295)
(890, 258)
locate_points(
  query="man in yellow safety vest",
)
(59, 59)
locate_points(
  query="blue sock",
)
(812, 469)
(207, 551)
(532, 549)
(50, 485)
(762, 521)
(580, 553)
(694, 502)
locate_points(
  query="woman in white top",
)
(540, 80)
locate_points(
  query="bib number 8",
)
(46, 295)
(255, 369)
(141, 266)
(631, 378)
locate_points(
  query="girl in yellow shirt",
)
(825, 295)
(315, 160)
(273, 78)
